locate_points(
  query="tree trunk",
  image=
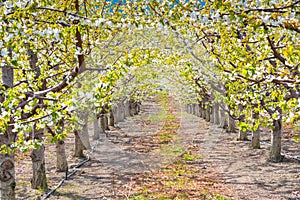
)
(207, 113)
(96, 129)
(200, 110)
(212, 119)
(111, 118)
(119, 115)
(231, 125)
(39, 179)
(223, 119)
(126, 108)
(61, 158)
(242, 135)
(255, 140)
(84, 136)
(216, 114)
(106, 127)
(122, 112)
(79, 147)
(193, 109)
(275, 151)
(133, 107)
(102, 124)
(7, 162)
(137, 108)
(197, 110)
(7, 177)
(8, 76)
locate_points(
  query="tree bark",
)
(7, 162)
(96, 129)
(223, 119)
(126, 108)
(7, 177)
(203, 110)
(84, 136)
(255, 140)
(39, 179)
(231, 125)
(199, 110)
(275, 150)
(242, 135)
(133, 108)
(196, 109)
(216, 114)
(207, 113)
(79, 147)
(111, 118)
(102, 124)
(106, 127)
(61, 158)
(7, 76)
(193, 109)
(122, 112)
(137, 107)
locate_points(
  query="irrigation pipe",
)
(74, 170)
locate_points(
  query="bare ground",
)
(151, 157)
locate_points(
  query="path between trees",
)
(126, 153)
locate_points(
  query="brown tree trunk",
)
(200, 110)
(7, 177)
(111, 118)
(79, 147)
(132, 107)
(102, 124)
(242, 135)
(39, 179)
(203, 110)
(255, 140)
(106, 127)
(61, 158)
(275, 150)
(231, 125)
(207, 113)
(96, 129)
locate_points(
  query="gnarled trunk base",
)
(7, 177)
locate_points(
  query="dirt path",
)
(247, 171)
(129, 157)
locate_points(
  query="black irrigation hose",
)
(284, 154)
(74, 170)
